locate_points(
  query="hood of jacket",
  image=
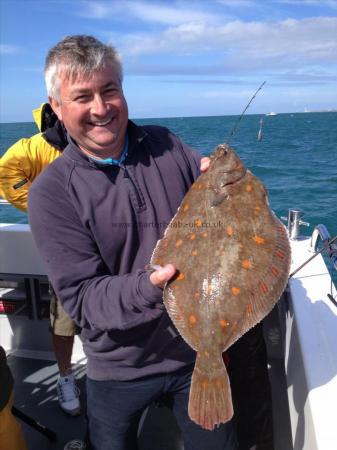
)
(53, 130)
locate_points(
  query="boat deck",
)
(35, 395)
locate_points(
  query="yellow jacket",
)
(23, 162)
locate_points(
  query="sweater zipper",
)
(140, 202)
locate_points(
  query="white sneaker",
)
(68, 395)
(75, 444)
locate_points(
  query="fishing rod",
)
(243, 112)
(326, 246)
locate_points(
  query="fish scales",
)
(232, 257)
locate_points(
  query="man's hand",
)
(204, 164)
(161, 276)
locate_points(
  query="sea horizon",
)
(212, 115)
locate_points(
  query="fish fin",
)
(271, 284)
(210, 401)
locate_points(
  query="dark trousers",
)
(114, 409)
(251, 391)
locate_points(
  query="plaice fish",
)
(232, 256)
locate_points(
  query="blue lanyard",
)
(111, 161)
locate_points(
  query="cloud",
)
(166, 14)
(237, 3)
(6, 49)
(240, 45)
(287, 78)
(320, 3)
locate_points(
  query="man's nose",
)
(99, 106)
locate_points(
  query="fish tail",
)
(210, 401)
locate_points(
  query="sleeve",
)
(185, 156)
(20, 165)
(193, 158)
(93, 298)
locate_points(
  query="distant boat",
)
(272, 113)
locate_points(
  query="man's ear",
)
(56, 107)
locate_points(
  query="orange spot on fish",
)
(274, 271)
(209, 289)
(257, 210)
(249, 309)
(194, 252)
(230, 231)
(205, 384)
(206, 354)
(197, 223)
(192, 319)
(185, 208)
(192, 237)
(280, 254)
(247, 264)
(223, 323)
(205, 234)
(258, 239)
(181, 276)
(235, 290)
(263, 288)
(249, 188)
(178, 243)
(197, 295)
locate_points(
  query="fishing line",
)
(233, 130)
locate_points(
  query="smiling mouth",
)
(102, 123)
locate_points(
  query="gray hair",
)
(78, 55)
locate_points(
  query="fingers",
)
(204, 164)
(162, 275)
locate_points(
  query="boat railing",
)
(321, 233)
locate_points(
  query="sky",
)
(181, 57)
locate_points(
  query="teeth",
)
(101, 124)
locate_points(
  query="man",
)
(19, 166)
(96, 214)
(11, 436)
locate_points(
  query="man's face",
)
(94, 111)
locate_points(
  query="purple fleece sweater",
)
(96, 227)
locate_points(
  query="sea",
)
(296, 158)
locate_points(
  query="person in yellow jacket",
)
(19, 166)
(11, 435)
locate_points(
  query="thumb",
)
(161, 276)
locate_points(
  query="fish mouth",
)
(231, 177)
